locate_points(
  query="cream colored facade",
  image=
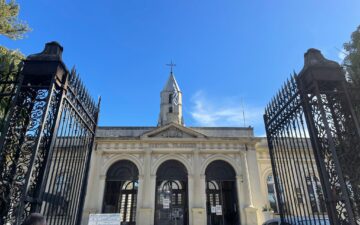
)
(195, 148)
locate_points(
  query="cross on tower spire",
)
(171, 64)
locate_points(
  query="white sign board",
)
(213, 209)
(104, 219)
(166, 203)
(218, 210)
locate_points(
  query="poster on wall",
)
(218, 210)
(166, 203)
(213, 209)
(104, 219)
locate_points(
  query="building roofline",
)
(149, 127)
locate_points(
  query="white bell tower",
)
(171, 102)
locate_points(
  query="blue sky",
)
(229, 53)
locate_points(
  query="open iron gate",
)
(46, 143)
(313, 135)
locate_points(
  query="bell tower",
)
(171, 102)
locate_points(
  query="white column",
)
(101, 192)
(146, 206)
(254, 174)
(250, 210)
(191, 198)
(240, 196)
(202, 191)
(139, 199)
(198, 206)
(249, 202)
(146, 202)
(199, 184)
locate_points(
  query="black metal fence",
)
(46, 143)
(314, 142)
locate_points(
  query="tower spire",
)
(172, 65)
(171, 101)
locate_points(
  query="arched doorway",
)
(221, 195)
(171, 205)
(121, 191)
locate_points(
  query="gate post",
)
(334, 132)
(28, 132)
(319, 96)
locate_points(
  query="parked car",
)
(275, 221)
(299, 221)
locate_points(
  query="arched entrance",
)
(221, 196)
(171, 205)
(121, 191)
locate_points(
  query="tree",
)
(352, 59)
(10, 25)
(10, 64)
(352, 144)
(10, 60)
(352, 68)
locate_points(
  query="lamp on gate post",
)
(41, 68)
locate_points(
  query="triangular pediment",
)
(173, 130)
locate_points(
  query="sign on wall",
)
(105, 219)
(166, 203)
(218, 210)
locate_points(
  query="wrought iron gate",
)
(313, 135)
(46, 143)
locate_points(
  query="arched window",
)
(175, 189)
(121, 191)
(315, 194)
(62, 183)
(213, 185)
(60, 197)
(272, 192)
(174, 185)
(213, 193)
(220, 170)
(170, 98)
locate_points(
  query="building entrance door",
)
(171, 194)
(221, 195)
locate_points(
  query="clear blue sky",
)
(225, 51)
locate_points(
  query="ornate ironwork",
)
(314, 138)
(46, 143)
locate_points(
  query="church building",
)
(172, 174)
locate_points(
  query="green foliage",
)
(352, 67)
(352, 59)
(350, 161)
(10, 25)
(9, 58)
(10, 61)
(10, 64)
